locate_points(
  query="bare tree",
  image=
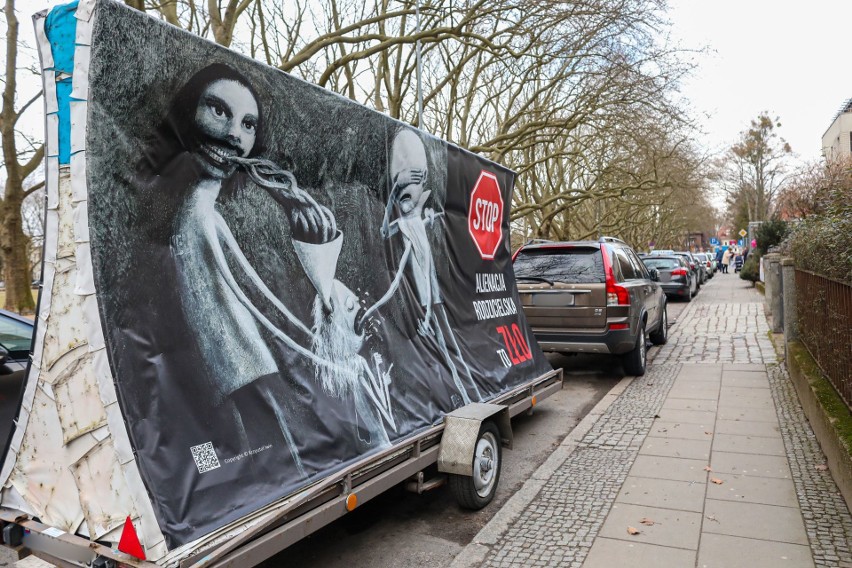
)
(577, 96)
(563, 93)
(755, 169)
(216, 18)
(32, 217)
(811, 186)
(21, 158)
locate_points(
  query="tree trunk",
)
(16, 264)
(13, 242)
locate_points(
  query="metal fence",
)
(824, 308)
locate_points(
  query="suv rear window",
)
(566, 265)
(624, 270)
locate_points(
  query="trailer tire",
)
(477, 491)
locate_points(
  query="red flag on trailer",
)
(129, 542)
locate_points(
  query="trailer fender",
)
(461, 431)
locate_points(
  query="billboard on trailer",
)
(270, 281)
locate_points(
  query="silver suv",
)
(591, 297)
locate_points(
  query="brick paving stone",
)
(725, 324)
(827, 519)
(572, 506)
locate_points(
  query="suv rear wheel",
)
(661, 334)
(634, 361)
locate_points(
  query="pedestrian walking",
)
(726, 260)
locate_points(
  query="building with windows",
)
(837, 140)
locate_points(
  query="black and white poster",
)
(287, 280)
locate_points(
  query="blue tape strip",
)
(60, 27)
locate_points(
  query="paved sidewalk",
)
(706, 461)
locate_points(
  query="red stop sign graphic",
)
(485, 216)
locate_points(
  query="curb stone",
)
(474, 554)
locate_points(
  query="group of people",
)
(726, 256)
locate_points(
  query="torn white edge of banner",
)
(152, 537)
(50, 238)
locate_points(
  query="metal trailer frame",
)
(291, 520)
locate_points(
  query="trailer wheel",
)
(476, 491)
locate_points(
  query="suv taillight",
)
(679, 272)
(615, 295)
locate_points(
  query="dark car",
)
(675, 277)
(702, 264)
(591, 297)
(694, 266)
(707, 262)
(16, 335)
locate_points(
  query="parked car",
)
(711, 263)
(675, 277)
(694, 266)
(591, 297)
(662, 252)
(703, 273)
(704, 259)
(16, 334)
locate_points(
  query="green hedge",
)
(771, 233)
(751, 269)
(823, 243)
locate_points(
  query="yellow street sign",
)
(743, 232)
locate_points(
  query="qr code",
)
(205, 457)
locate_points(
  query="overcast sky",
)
(788, 58)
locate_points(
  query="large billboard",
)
(286, 280)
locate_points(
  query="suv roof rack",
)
(610, 240)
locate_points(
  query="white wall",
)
(836, 140)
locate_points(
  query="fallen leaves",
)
(708, 468)
(717, 481)
(821, 467)
(633, 531)
(647, 521)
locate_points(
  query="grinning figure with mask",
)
(203, 149)
(408, 197)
